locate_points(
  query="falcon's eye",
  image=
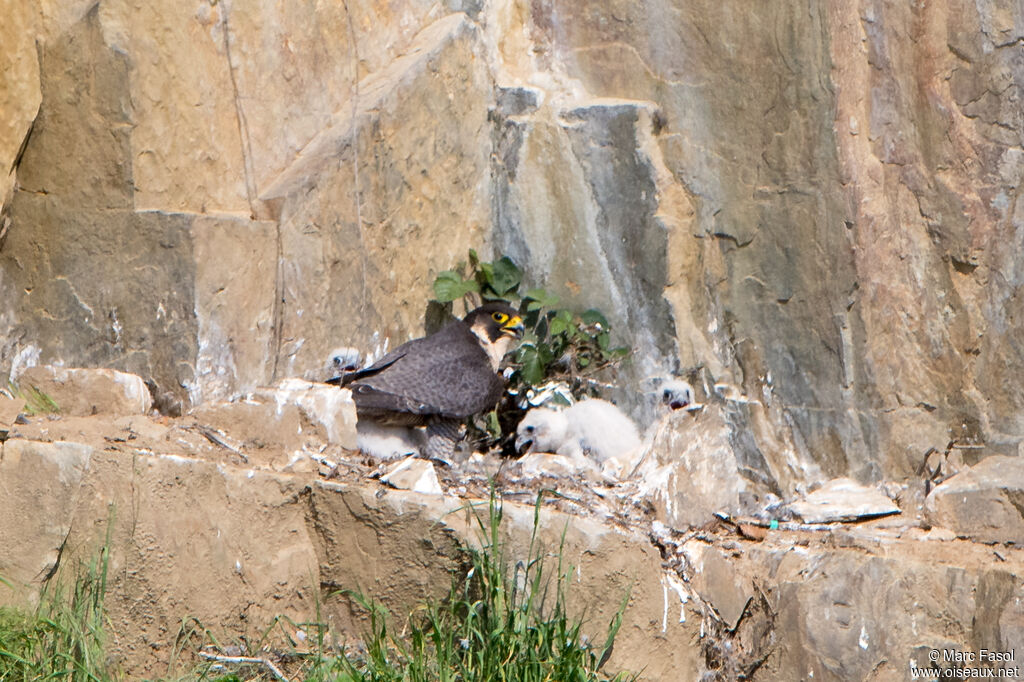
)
(500, 318)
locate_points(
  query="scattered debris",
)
(569, 466)
(10, 408)
(219, 438)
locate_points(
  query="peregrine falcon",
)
(439, 380)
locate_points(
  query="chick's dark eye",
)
(530, 429)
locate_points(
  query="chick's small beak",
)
(515, 327)
(523, 445)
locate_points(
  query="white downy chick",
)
(593, 428)
(387, 442)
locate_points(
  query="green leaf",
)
(529, 338)
(540, 298)
(560, 323)
(532, 369)
(449, 286)
(493, 425)
(503, 275)
(592, 317)
(602, 340)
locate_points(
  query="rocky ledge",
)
(261, 508)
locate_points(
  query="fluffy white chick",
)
(676, 394)
(387, 442)
(594, 428)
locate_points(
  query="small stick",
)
(246, 659)
(797, 526)
(218, 438)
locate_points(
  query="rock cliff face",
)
(812, 206)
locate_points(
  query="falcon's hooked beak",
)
(513, 327)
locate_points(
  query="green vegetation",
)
(500, 622)
(560, 345)
(64, 638)
(36, 401)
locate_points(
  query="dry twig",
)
(250, 660)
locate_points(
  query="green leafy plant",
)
(560, 345)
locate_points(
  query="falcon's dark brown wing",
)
(445, 374)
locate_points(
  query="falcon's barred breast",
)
(441, 379)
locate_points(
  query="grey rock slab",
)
(721, 583)
(843, 499)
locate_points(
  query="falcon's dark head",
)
(495, 324)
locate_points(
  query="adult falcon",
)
(439, 380)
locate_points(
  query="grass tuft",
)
(501, 622)
(36, 401)
(64, 638)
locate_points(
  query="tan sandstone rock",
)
(381, 175)
(80, 392)
(983, 503)
(19, 93)
(45, 478)
(286, 418)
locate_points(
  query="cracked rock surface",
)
(817, 207)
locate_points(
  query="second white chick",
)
(594, 428)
